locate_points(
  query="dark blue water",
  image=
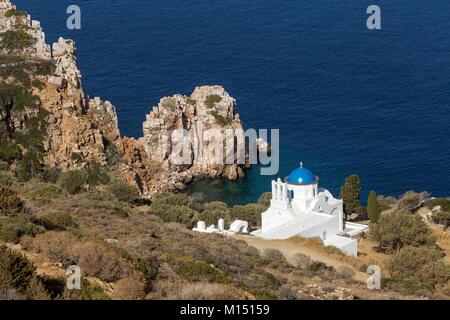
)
(346, 99)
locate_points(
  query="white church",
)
(300, 208)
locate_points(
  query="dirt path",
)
(290, 248)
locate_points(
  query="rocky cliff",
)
(78, 131)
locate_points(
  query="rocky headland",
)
(78, 131)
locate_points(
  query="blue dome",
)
(301, 176)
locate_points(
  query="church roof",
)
(302, 176)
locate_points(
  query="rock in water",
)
(81, 131)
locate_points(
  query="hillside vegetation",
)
(78, 208)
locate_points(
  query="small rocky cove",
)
(81, 130)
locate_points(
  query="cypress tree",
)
(373, 208)
(350, 194)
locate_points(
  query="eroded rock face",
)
(11, 22)
(81, 131)
(74, 139)
(103, 115)
(185, 134)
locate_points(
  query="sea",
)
(346, 99)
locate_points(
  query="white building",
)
(299, 208)
(238, 226)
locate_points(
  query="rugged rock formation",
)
(81, 131)
(205, 119)
(74, 137)
(11, 20)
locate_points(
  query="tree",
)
(397, 230)
(373, 208)
(350, 194)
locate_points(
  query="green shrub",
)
(200, 270)
(54, 286)
(37, 84)
(318, 267)
(221, 120)
(149, 271)
(73, 181)
(96, 175)
(57, 220)
(121, 212)
(422, 265)
(444, 203)
(15, 67)
(17, 96)
(123, 191)
(88, 291)
(36, 130)
(46, 191)
(211, 100)
(100, 195)
(29, 166)
(177, 199)
(16, 272)
(268, 280)
(176, 207)
(401, 285)
(57, 289)
(5, 179)
(249, 212)
(51, 174)
(13, 228)
(10, 203)
(264, 199)
(14, 13)
(4, 166)
(45, 68)
(173, 213)
(8, 151)
(213, 211)
(113, 208)
(397, 230)
(16, 40)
